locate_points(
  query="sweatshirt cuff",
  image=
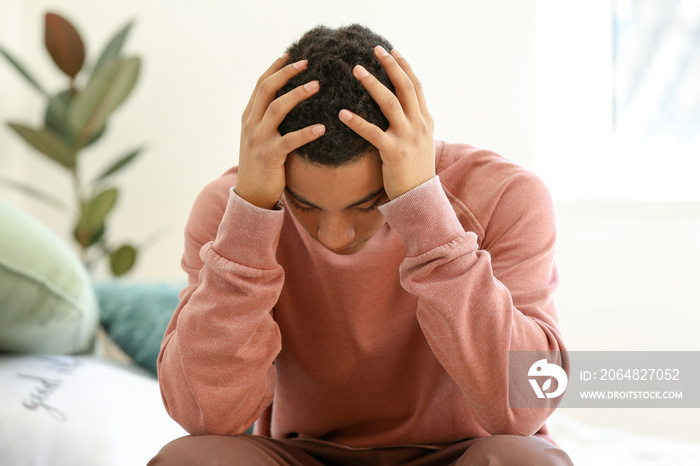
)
(248, 235)
(423, 217)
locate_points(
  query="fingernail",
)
(379, 50)
(318, 130)
(311, 86)
(396, 53)
(345, 115)
(360, 71)
(301, 64)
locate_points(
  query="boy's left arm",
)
(475, 305)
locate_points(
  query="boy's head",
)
(332, 54)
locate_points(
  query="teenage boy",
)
(355, 287)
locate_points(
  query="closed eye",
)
(300, 207)
(381, 200)
(369, 209)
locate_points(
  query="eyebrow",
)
(365, 199)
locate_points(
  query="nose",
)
(335, 232)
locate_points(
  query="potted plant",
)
(76, 118)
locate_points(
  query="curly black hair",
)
(332, 54)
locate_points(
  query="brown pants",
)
(253, 450)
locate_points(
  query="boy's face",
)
(337, 205)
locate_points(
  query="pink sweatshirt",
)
(403, 343)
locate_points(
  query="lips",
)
(349, 249)
(346, 250)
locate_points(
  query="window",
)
(618, 99)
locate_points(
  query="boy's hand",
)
(264, 150)
(407, 148)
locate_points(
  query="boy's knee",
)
(209, 450)
(513, 450)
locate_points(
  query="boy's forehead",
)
(343, 185)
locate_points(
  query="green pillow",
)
(47, 304)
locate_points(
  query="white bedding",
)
(80, 411)
(589, 445)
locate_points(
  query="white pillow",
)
(79, 410)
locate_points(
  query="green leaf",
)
(97, 234)
(23, 71)
(64, 44)
(87, 238)
(56, 118)
(47, 142)
(104, 92)
(120, 164)
(122, 260)
(95, 211)
(113, 48)
(35, 193)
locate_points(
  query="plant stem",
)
(77, 193)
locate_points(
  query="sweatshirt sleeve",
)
(476, 305)
(215, 367)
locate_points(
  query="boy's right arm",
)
(215, 367)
